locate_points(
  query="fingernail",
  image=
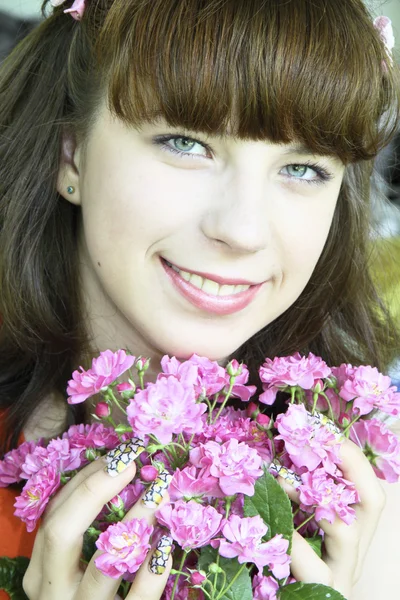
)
(287, 474)
(123, 455)
(321, 420)
(158, 561)
(157, 489)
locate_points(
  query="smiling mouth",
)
(208, 286)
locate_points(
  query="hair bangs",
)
(313, 71)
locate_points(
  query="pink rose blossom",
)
(91, 436)
(206, 376)
(105, 370)
(234, 464)
(35, 496)
(264, 588)
(58, 454)
(240, 389)
(188, 484)
(125, 546)
(11, 465)
(243, 539)
(234, 424)
(164, 408)
(293, 370)
(380, 445)
(369, 389)
(192, 525)
(319, 491)
(307, 444)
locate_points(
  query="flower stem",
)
(227, 396)
(305, 522)
(350, 425)
(232, 582)
(114, 399)
(177, 576)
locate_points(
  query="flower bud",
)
(233, 368)
(90, 454)
(197, 578)
(214, 568)
(102, 410)
(344, 420)
(116, 504)
(252, 410)
(263, 420)
(319, 386)
(142, 363)
(148, 473)
(121, 428)
(127, 390)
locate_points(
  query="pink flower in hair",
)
(105, 370)
(77, 9)
(385, 28)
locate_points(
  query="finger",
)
(145, 508)
(32, 579)
(306, 566)
(356, 468)
(341, 551)
(64, 527)
(152, 576)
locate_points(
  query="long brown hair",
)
(311, 70)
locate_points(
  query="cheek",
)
(139, 200)
(304, 235)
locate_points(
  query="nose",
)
(239, 214)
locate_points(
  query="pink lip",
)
(218, 279)
(219, 305)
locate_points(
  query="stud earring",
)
(70, 189)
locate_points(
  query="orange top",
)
(14, 539)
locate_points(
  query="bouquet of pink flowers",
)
(228, 518)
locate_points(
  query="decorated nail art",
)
(158, 561)
(322, 420)
(123, 455)
(287, 474)
(156, 491)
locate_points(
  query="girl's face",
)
(223, 212)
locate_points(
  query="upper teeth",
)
(207, 285)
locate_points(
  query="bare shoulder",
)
(380, 578)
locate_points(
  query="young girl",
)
(181, 176)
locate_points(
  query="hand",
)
(54, 570)
(345, 546)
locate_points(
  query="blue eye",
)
(184, 146)
(308, 173)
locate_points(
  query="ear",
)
(69, 172)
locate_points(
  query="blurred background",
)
(18, 17)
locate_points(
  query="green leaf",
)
(308, 591)
(241, 588)
(272, 503)
(12, 571)
(316, 544)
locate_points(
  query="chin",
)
(217, 350)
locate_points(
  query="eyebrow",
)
(299, 149)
